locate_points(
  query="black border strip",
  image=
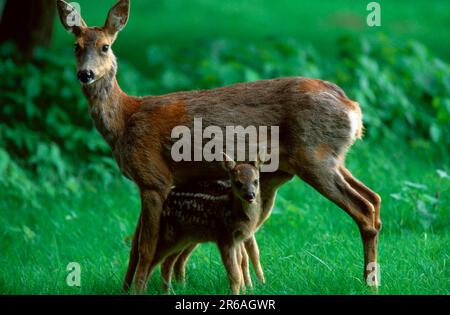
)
(62, 304)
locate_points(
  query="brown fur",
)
(318, 86)
(309, 112)
(323, 151)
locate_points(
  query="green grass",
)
(308, 246)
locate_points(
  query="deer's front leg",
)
(152, 203)
(253, 252)
(134, 256)
(247, 279)
(240, 261)
(229, 258)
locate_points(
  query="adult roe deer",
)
(317, 123)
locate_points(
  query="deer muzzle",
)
(86, 76)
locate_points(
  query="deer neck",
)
(252, 210)
(109, 106)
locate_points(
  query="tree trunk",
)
(27, 23)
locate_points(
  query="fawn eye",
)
(77, 47)
(238, 185)
(255, 182)
(105, 48)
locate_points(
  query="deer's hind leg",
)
(364, 191)
(180, 264)
(167, 270)
(372, 270)
(322, 171)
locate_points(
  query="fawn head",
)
(93, 51)
(244, 178)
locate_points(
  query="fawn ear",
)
(70, 18)
(117, 17)
(228, 164)
(260, 159)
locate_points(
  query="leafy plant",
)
(45, 126)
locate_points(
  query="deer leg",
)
(253, 252)
(245, 267)
(327, 180)
(180, 264)
(166, 271)
(371, 271)
(229, 259)
(150, 269)
(134, 256)
(152, 203)
(366, 192)
(241, 271)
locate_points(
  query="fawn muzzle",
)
(250, 197)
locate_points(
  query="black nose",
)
(86, 76)
(250, 196)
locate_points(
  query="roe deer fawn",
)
(268, 190)
(317, 124)
(224, 212)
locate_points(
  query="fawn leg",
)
(134, 256)
(244, 265)
(327, 180)
(228, 253)
(239, 259)
(166, 271)
(253, 252)
(180, 264)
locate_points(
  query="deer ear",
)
(228, 164)
(260, 159)
(70, 18)
(117, 17)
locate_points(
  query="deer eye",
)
(105, 48)
(77, 47)
(255, 182)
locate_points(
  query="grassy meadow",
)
(308, 246)
(63, 200)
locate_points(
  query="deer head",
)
(93, 51)
(244, 178)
